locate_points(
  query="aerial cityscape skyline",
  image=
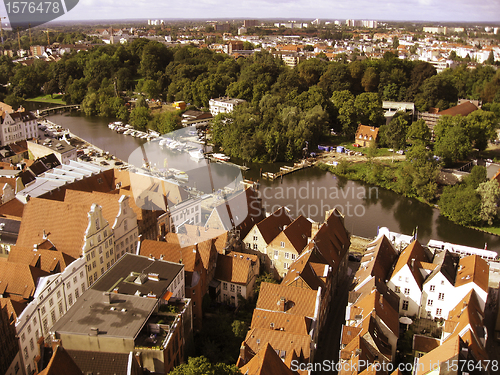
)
(395, 10)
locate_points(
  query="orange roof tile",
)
(412, 256)
(377, 260)
(234, 269)
(443, 353)
(462, 109)
(266, 362)
(51, 261)
(61, 363)
(64, 224)
(473, 269)
(171, 252)
(281, 322)
(272, 225)
(19, 280)
(298, 301)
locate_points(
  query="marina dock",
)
(287, 170)
(242, 167)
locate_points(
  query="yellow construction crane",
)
(48, 38)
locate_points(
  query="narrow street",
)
(329, 339)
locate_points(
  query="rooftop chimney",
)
(106, 297)
(282, 304)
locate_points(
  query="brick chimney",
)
(282, 304)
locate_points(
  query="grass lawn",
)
(56, 99)
(493, 230)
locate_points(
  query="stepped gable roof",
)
(266, 362)
(61, 363)
(298, 301)
(109, 202)
(473, 269)
(64, 224)
(272, 225)
(234, 268)
(462, 109)
(281, 322)
(377, 260)
(18, 280)
(51, 261)
(411, 256)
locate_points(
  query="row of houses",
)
(440, 291)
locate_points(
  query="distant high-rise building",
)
(250, 23)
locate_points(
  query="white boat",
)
(179, 175)
(128, 131)
(221, 157)
(197, 155)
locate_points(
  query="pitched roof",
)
(424, 343)
(103, 363)
(446, 263)
(303, 274)
(283, 341)
(473, 269)
(61, 363)
(448, 350)
(233, 268)
(358, 354)
(272, 225)
(349, 333)
(47, 260)
(366, 132)
(377, 260)
(298, 301)
(171, 252)
(12, 209)
(281, 322)
(266, 362)
(462, 109)
(373, 304)
(64, 224)
(296, 233)
(109, 202)
(19, 280)
(411, 256)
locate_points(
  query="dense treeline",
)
(286, 107)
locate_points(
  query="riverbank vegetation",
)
(287, 110)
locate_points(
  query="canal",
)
(308, 192)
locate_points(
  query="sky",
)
(403, 10)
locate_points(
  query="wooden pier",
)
(242, 167)
(286, 170)
(63, 108)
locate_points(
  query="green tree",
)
(139, 118)
(370, 79)
(368, 106)
(394, 133)
(343, 102)
(461, 204)
(490, 193)
(202, 366)
(452, 142)
(481, 128)
(50, 87)
(240, 329)
(419, 132)
(425, 171)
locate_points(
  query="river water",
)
(308, 192)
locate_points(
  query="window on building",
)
(400, 278)
(397, 289)
(102, 270)
(255, 246)
(407, 290)
(83, 287)
(439, 312)
(293, 256)
(29, 328)
(285, 266)
(43, 310)
(37, 334)
(287, 255)
(125, 224)
(430, 302)
(441, 297)
(276, 254)
(23, 337)
(406, 279)
(45, 324)
(60, 308)
(97, 226)
(32, 344)
(70, 299)
(282, 244)
(432, 288)
(53, 316)
(232, 287)
(51, 302)
(224, 286)
(77, 293)
(405, 305)
(238, 289)
(58, 294)
(25, 352)
(255, 238)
